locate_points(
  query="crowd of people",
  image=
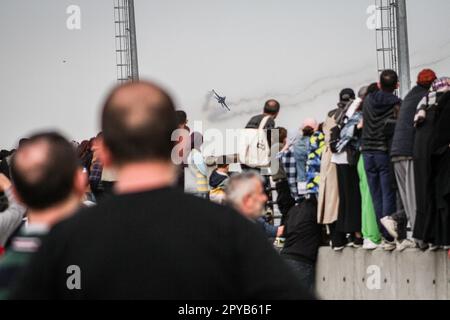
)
(374, 174)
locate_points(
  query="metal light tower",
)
(392, 40)
(126, 45)
(403, 48)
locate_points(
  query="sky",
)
(298, 52)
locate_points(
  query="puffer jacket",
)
(378, 111)
(403, 142)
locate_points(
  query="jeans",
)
(301, 147)
(304, 272)
(381, 179)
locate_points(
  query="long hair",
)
(83, 149)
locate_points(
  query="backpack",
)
(253, 146)
(335, 137)
(335, 132)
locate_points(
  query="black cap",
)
(346, 95)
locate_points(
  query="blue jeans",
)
(304, 272)
(301, 147)
(381, 179)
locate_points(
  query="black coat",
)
(378, 109)
(432, 174)
(403, 142)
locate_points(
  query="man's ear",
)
(246, 201)
(103, 152)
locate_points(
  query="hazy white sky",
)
(299, 52)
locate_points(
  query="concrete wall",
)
(358, 274)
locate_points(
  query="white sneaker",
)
(432, 247)
(446, 247)
(338, 248)
(388, 246)
(390, 225)
(405, 244)
(369, 245)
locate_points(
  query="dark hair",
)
(23, 141)
(320, 127)
(139, 125)
(272, 107)
(308, 131)
(373, 87)
(181, 117)
(4, 154)
(223, 161)
(49, 182)
(389, 80)
(282, 134)
(83, 149)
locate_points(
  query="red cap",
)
(426, 77)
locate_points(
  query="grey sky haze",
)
(300, 52)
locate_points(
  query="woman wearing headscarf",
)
(432, 166)
(328, 202)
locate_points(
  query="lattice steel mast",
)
(392, 40)
(126, 45)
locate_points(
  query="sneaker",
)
(357, 242)
(388, 246)
(350, 244)
(338, 248)
(369, 245)
(390, 225)
(405, 244)
(446, 247)
(432, 247)
(421, 244)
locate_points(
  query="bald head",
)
(43, 170)
(137, 123)
(30, 160)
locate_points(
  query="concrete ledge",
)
(358, 274)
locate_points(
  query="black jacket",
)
(216, 179)
(378, 111)
(256, 121)
(303, 234)
(403, 142)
